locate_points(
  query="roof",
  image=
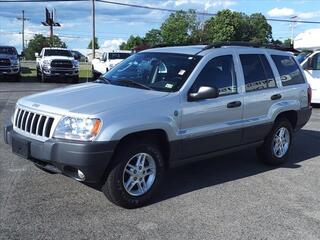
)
(191, 50)
(54, 48)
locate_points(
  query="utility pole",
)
(50, 23)
(93, 30)
(293, 24)
(23, 19)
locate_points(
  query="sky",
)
(114, 24)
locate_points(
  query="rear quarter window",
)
(288, 69)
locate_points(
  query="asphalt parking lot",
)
(230, 197)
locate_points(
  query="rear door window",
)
(257, 72)
(288, 69)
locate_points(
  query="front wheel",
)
(75, 79)
(135, 175)
(276, 147)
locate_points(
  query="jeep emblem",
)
(36, 105)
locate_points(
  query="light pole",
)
(93, 30)
(293, 24)
(23, 19)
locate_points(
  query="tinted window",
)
(219, 72)
(57, 52)
(159, 71)
(288, 69)
(118, 55)
(316, 62)
(8, 50)
(257, 72)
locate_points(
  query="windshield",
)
(157, 71)
(118, 55)
(56, 52)
(8, 50)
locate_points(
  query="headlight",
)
(46, 63)
(78, 128)
(75, 64)
(15, 61)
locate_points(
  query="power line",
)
(151, 8)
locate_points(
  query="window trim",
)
(264, 70)
(234, 70)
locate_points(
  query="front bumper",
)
(66, 157)
(52, 72)
(9, 70)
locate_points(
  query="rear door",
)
(261, 92)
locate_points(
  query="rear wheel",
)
(276, 147)
(135, 175)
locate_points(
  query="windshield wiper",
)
(103, 80)
(133, 83)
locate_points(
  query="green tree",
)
(131, 43)
(261, 31)
(96, 43)
(227, 26)
(38, 42)
(236, 26)
(179, 27)
(287, 42)
(153, 37)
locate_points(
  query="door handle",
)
(234, 104)
(276, 97)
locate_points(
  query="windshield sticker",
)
(182, 72)
(168, 85)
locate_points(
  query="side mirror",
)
(77, 57)
(308, 64)
(204, 92)
(21, 55)
(36, 55)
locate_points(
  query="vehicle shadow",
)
(232, 167)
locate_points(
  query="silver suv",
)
(162, 108)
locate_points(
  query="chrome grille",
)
(62, 64)
(5, 62)
(32, 123)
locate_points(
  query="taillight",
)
(309, 95)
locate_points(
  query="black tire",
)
(16, 78)
(43, 78)
(75, 79)
(39, 77)
(266, 152)
(113, 187)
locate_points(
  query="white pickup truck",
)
(107, 62)
(311, 66)
(57, 62)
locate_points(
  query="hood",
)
(8, 56)
(115, 61)
(88, 98)
(58, 58)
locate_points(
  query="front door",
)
(213, 124)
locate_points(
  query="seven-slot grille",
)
(5, 62)
(61, 64)
(33, 123)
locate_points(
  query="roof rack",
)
(249, 44)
